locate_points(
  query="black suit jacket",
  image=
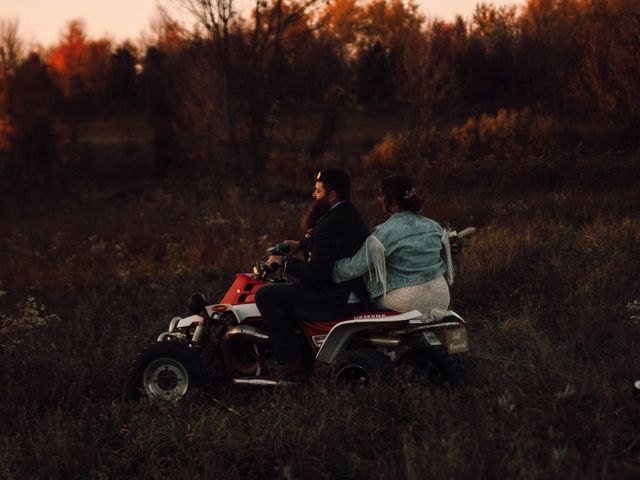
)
(338, 234)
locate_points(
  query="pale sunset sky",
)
(41, 21)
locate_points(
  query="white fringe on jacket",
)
(376, 262)
(449, 259)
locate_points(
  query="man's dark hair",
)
(401, 190)
(336, 179)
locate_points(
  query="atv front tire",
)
(165, 371)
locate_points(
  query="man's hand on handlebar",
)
(276, 256)
(274, 262)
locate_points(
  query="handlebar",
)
(262, 270)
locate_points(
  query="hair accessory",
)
(409, 193)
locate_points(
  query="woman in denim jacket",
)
(406, 258)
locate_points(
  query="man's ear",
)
(333, 197)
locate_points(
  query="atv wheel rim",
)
(165, 379)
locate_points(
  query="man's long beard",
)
(317, 209)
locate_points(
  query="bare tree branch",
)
(11, 48)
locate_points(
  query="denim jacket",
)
(408, 249)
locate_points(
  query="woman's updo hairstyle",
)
(400, 189)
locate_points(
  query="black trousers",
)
(280, 305)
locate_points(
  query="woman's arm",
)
(369, 258)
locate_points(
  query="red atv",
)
(226, 340)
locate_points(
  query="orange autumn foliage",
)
(77, 63)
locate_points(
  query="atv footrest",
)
(262, 382)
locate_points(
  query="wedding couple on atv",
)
(404, 264)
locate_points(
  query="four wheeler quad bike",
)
(226, 340)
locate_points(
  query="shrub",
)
(408, 151)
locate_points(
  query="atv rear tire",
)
(165, 371)
(360, 368)
(434, 366)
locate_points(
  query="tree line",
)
(222, 86)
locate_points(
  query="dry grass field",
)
(92, 270)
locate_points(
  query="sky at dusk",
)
(41, 21)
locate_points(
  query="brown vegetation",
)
(122, 197)
(92, 274)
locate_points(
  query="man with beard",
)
(335, 229)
